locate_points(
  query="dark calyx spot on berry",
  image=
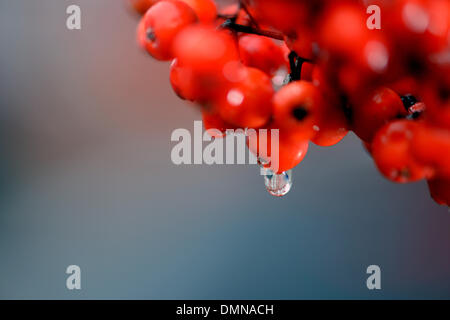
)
(405, 173)
(151, 34)
(299, 113)
(408, 101)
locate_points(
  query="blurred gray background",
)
(86, 179)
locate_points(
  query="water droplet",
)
(262, 162)
(278, 185)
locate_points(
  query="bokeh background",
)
(86, 179)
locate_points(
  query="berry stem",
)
(229, 24)
(296, 64)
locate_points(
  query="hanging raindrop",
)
(277, 185)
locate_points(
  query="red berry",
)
(162, 23)
(431, 146)
(440, 190)
(419, 21)
(182, 81)
(332, 127)
(405, 85)
(307, 71)
(381, 107)
(197, 86)
(248, 103)
(298, 107)
(290, 151)
(141, 6)
(141, 35)
(391, 150)
(321, 80)
(283, 15)
(207, 60)
(302, 42)
(205, 49)
(390, 86)
(214, 124)
(437, 100)
(343, 30)
(261, 53)
(205, 9)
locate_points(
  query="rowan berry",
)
(207, 61)
(182, 82)
(291, 151)
(162, 23)
(141, 6)
(419, 21)
(247, 103)
(141, 35)
(382, 106)
(302, 42)
(343, 30)
(205, 49)
(261, 53)
(436, 97)
(440, 190)
(214, 124)
(283, 15)
(206, 10)
(331, 127)
(431, 146)
(298, 107)
(391, 150)
(390, 86)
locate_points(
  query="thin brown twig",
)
(251, 30)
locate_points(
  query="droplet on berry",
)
(276, 184)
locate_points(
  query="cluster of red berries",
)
(315, 70)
